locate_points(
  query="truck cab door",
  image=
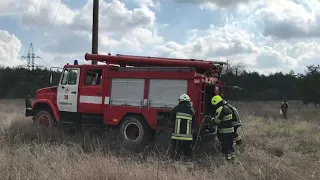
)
(67, 94)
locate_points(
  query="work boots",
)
(228, 157)
(233, 155)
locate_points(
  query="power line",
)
(35, 19)
(34, 16)
(103, 14)
(78, 33)
(52, 23)
(106, 10)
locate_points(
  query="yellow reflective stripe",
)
(182, 138)
(227, 118)
(218, 112)
(181, 135)
(217, 121)
(183, 114)
(225, 130)
(217, 115)
(184, 117)
(178, 126)
(188, 127)
(236, 123)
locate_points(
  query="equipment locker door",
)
(165, 92)
(67, 95)
(127, 91)
(91, 91)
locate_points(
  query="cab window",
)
(72, 76)
(69, 76)
(93, 77)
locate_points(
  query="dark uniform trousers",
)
(182, 137)
(223, 119)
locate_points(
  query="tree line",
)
(18, 82)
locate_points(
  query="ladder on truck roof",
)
(208, 68)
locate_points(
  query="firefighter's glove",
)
(212, 121)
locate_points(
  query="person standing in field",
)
(225, 130)
(284, 108)
(182, 138)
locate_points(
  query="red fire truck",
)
(132, 93)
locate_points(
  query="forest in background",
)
(18, 82)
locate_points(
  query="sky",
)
(264, 35)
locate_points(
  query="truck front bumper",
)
(29, 112)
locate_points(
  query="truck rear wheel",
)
(134, 130)
(43, 118)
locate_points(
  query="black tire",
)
(49, 118)
(138, 123)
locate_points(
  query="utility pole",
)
(95, 28)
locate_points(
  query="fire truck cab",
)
(133, 93)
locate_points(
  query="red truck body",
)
(112, 93)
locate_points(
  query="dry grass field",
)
(272, 149)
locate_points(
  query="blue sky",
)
(264, 36)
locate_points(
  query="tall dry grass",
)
(272, 149)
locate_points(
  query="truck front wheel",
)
(134, 130)
(43, 118)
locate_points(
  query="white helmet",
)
(184, 97)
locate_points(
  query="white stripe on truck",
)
(91, 99)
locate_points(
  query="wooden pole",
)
(95, 28)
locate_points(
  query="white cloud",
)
(10, 46)
(211, 43)
(114, 19)
(43, 11)
(217, 3)
(286, 19)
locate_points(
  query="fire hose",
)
(199, 131)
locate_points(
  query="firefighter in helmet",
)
(182, 138)
(223, 120)
(235, 121)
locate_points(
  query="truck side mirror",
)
(50, 79)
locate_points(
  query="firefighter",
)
(182, 138)
(284, 108)
(223, 120)
(236, 122)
